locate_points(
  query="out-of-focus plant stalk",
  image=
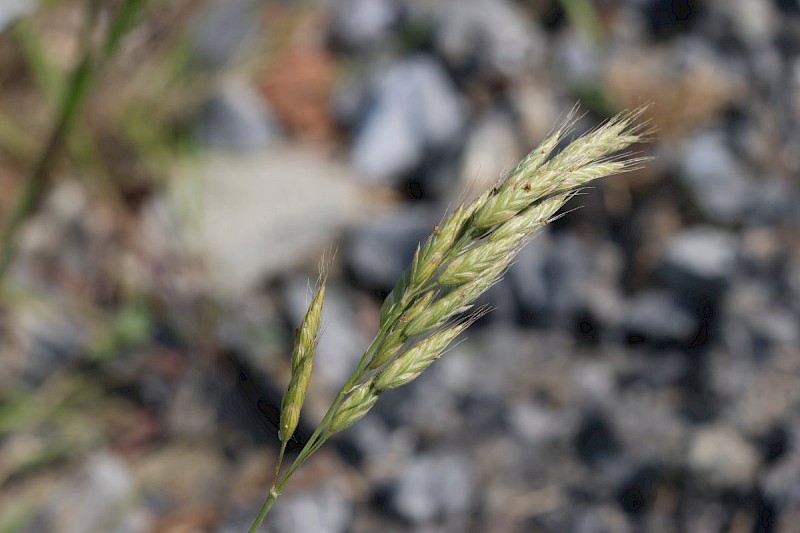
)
(74, 98)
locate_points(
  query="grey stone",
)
(414, 109)
(754, 20)
(600, 520)
(557, 278)
(535, 425)
(703, 515)
(238, 119)
(412, 408)
(491, 151)
(536, 108)
(656, 317)
(781, 482)
(755, 316)
(718, 182)
(251, 327)
(776, 202)
(649, 429)
(700, 257)
(252, 216)
(593, 384)
(361, 24)
(721, 458)
(491, 34)
(375, 442)
(91, 499)
(434, 488)
(377, 253)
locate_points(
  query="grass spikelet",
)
(411, 363)
(353, 408)
(305, 345)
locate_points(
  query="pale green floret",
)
(531, 220)
(514, 193)
(504, 206)
(458, 300)
(419, 306)
(412, 362)
(473, 263)
(583, 175)
(441, 241)
(353, 408)
(388, 348)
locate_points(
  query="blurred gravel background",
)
(641, 371)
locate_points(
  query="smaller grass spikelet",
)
(305, 347)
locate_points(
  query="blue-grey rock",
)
(223, 29)
(238, 119)
(377, 253)
(578, 61)
(435, 487)
(700, 259)
(648, 427)
(492, 35)
(362, 24)
(655, 317)
(414, 109)
(571, 271)
(717, 180)
(776, 201)
(557, 278)
(374, 440)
